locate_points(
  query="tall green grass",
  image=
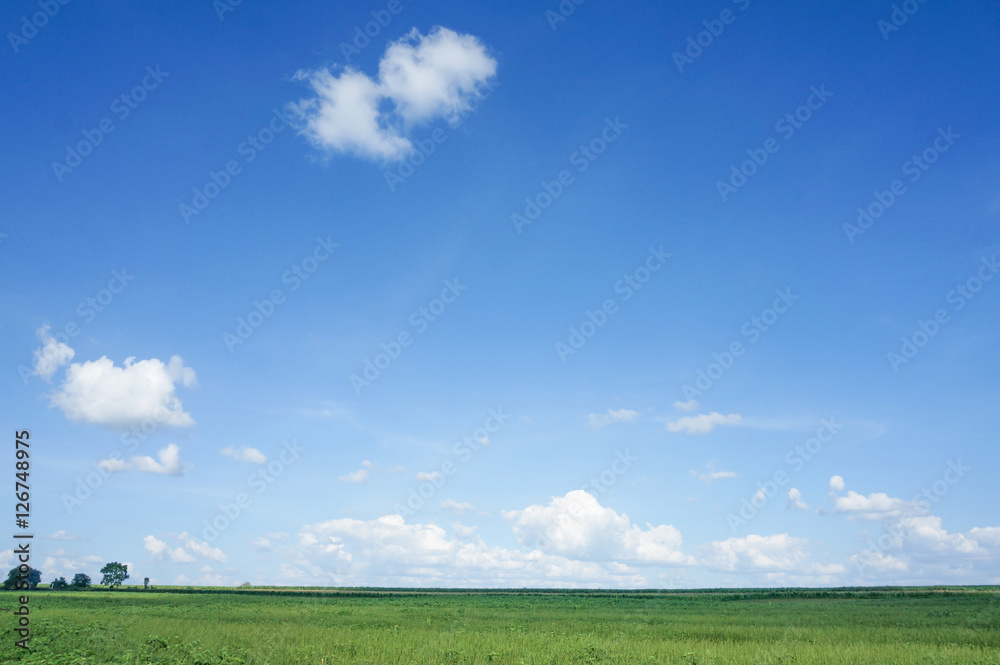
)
(742, 627)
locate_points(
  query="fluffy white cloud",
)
(154, 546)
(756, 553)
(577, 526)
(432, 476)
(704, 422)
(52, 355)
(357, 477)
(878, 562)
(168, 464)
(420, 78)
(202, 549)
(434, 76)
(180, 555)
(876, 506)
(64, 563)
(596, 420)
(449, 504)
(914, 541)
(388, 551)
(244, 454)
(101, 393)
(687, 406)
(795, 501)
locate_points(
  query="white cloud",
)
(915, 541)
(434, 76)
(357, 477)
(420, 78)
(449, 504)
(836, 484)
(63, 563)
(397, 469)
(596, 420)
(878, 562)
(756, 553)
(687, 406)
(180, 555)
(389, 552)
(432, 476)
(168, 464)
(157, 548)
(876, 506)
(463, 531)
(704, 423)
(711, 474)
(52, 355)
(100, 393)
(795, 501)
(261, 543)
(244, 454)
(366, 464)
(202, 549)
(62, 535)
(577, 526)
(154, 546)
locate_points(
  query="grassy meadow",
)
(939, 626)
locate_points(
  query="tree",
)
(59, 583)
(15, 580)
(145, 583)
(114, 574)
(81, 581)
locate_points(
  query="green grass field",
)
(946, 626)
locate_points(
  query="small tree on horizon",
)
(114, 574)
(59, 584)
(81, 581)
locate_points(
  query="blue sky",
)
(519, 294)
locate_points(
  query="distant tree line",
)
(114, 573)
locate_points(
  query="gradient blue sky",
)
(522, 509)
